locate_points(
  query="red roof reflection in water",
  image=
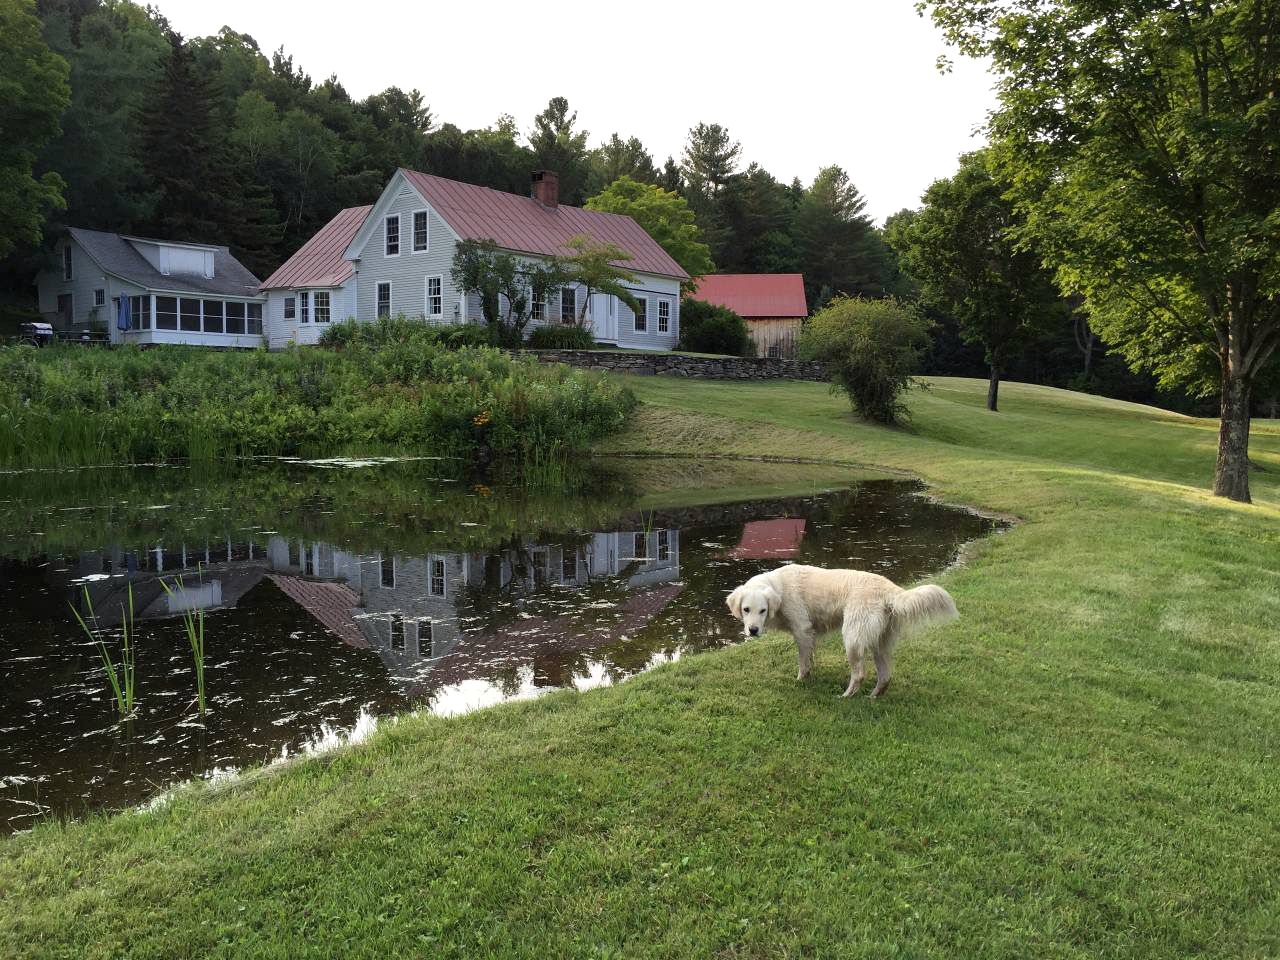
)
(769, 539)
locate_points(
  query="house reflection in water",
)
(455, 629)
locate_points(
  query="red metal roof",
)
(769, 539)
(522, 224)
(320, 261)
(755, 294)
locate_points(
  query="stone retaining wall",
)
(676, 365)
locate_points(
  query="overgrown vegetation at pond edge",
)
(403, 393)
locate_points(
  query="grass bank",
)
(1083, 766)
(70, 405)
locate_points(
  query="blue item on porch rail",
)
(123, 321)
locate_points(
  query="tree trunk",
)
(993, 388)
(1231, 475)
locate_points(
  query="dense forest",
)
(211, 139)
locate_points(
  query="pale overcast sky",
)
(800, 84)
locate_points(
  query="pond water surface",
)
(331, 591)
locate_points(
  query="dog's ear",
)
(772, 597)
(734, 600)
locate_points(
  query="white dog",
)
(871, 612)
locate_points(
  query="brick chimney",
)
(546, 188)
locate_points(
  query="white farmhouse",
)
(396, 257)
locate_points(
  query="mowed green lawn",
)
(1086, 764)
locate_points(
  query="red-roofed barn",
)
(773, 304)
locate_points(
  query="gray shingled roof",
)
(115, 255)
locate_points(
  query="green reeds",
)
(193, 623)
(120, 677)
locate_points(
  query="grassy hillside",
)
(1083, 766)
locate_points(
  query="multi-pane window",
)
(140, 312)
(213, 316)
(304, 307)
(569, 566)
(254, 322)
(426, 637)
(189, 314)
(100, 297)
(66, 262)
(568, 305)
(435, 296)
(320, 303)
(384, 299)
(388, 571)
(537, 307)
(420, 231)
(235, 317)
(392, 247)
(664, 544)
(397, 633)
(642, 315)
(437, 577)
(166, 313)
(664, 316)
(290, 308)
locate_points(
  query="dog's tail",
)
(922, 607)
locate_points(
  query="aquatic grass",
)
(123, 677)
(193, 625)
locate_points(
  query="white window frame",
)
(664, 544)
(377, 297)
(640, 321)
(304, 306)
(413, 229)
(537, 308)
(664, 316)
(99, 296)
(427, 297)
(393, 621)
(68, 273)
(432, 560)
(291, 307)
(315, 308)
(426, 631)
(572, 292)
(386, 222)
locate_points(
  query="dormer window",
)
(392, 247)
(66, 262)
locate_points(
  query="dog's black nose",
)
(754, 631)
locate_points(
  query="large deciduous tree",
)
(33, 94)
(961, 247)
(664, 215)
(1142, 141)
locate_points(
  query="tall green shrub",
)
(706, 328)
(872, 349)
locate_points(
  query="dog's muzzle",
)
(754, 631)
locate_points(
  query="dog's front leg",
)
(806, 642)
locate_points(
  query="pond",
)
(332, 591)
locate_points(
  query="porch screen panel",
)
(235, 317)
(189, 314)
(166, 313)
(254, 318)
(213, 316)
